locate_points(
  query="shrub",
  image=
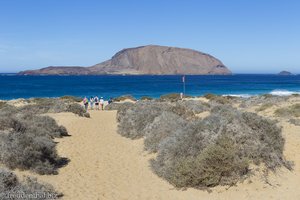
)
(10, 185)
(26, 151)
(118, 106)
(133, 119)
(195, 106)
(209, 96)
(264, 107)
(170, 97)
(162, 127)
(296, 122)
(291, 111)
(146, 98)
(72, 99)
(78, 110)
(123, 98)
(2, 104)
(218, 149)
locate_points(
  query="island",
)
(150, 59)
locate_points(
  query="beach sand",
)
(104, 165)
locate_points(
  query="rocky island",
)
(285, 73)
(151, 59)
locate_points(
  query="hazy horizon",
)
(249, 37)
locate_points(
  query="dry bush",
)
(264, 107)
(146, 98)
(218, 149)
(30, 187)
(195, 106)
(78, 110)
(123, 98)
(26, 141)
(135, 117)
(28, 152)
(118, 106)
(72, 99)
(173, 97)
(2, 104)
(296, 122)
(291, 111)
(162, 127)
(262, 99)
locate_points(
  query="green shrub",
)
(291, 111)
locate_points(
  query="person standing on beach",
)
(92, 102)
(102, 103)
(96, 99)
(86, 103)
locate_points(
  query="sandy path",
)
(105, 165)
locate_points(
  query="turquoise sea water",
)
(13, 86)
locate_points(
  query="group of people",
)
(94, 102)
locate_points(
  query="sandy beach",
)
(105, 165)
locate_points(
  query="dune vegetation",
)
(203, 152)
(26, 142)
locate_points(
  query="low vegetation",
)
(123, 98)
(54, 105)
(72, 98)
(170, 97)
(291, 111)
(146, 98)
(11, 187)
(264, 107)
(193, 152)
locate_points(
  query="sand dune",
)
(105, 165)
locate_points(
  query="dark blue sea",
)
(13, 86)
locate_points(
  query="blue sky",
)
(257, 36)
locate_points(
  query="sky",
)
(257, 36)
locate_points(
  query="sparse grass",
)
(291, 111)
(264, 107)
(10, 184)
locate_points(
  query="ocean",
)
(13, 86)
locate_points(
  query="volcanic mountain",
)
(151, 59)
